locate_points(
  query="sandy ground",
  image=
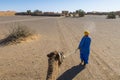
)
(28, 60)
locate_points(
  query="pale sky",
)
(59, 5)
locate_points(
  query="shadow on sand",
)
(4, 42)
(71, 73)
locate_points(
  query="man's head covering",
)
(86, 32)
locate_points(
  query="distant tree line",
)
(38, 13)
(77, 13)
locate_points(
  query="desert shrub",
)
(17, 34)
(20, 31)
(111, 15)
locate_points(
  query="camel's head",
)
(57, 56)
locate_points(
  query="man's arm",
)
(81, 43)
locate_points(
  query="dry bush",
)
(17, 34)
(111, 15)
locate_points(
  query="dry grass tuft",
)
(17, 34)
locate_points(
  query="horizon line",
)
(57, 11)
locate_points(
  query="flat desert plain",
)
(28, 60)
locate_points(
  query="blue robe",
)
(84, 47)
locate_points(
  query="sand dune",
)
(28, 61)
(7, 13)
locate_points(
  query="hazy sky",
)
(59, 5)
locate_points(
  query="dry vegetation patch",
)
(18, 34)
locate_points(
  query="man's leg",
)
(86, 58)
(82, 59)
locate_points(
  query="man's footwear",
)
(81, 63)
(84, 64)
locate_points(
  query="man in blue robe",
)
(84, 47)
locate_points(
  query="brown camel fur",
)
(55, 59)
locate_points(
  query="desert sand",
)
(28, 60)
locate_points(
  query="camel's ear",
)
(50, 55)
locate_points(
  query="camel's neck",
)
(52, 69)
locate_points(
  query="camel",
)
(55, 59)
